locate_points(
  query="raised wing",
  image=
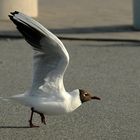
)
(50, 56)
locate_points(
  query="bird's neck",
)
(75, 99)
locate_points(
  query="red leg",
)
(42, 116)
(31, 117)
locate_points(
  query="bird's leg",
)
(42, 116)
(31, 117)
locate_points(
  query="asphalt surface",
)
(109, 70)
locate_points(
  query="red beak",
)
(95, 97)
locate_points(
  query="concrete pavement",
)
(111, 70)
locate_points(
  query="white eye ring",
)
(85, 94)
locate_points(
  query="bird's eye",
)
(85, 94)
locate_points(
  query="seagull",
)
(47, 95)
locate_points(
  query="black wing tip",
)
(11, 17)
(13, 13)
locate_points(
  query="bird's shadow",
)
(14, 127)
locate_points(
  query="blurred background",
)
(107, 19)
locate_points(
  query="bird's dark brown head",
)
(86, 96)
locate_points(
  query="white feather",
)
(50, 60)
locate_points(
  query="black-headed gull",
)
(47, 94)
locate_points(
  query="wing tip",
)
(14, 13)
(11, 17)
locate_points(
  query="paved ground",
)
(110, 70)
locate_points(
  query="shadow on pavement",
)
(98, 29)
(123, 44)
(14, 127)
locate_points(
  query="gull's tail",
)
(4, 99)
(20, 98)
